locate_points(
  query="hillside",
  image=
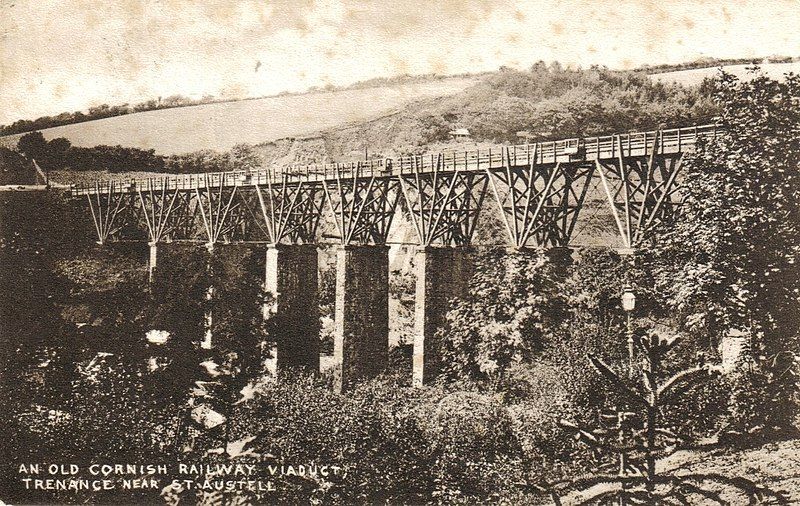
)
(548, 101)
(401, 117)
(220, 126)
(693, 77)
(404, 115)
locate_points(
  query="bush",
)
(110, 417)
(512, 310)
(15, 169)
(758, 402)
(477, 454)
(703, 411)
(394, 444)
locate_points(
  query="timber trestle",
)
(538, 191)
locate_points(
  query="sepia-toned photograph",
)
(346, 252)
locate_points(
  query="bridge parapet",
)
(575, 150)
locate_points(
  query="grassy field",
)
(223, 125)
(693, 77)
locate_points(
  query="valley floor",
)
(774, 466)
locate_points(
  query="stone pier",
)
(208, 334)
(152, 261)
(361, 336)
(442, 273)
(291, 278)
(560, 257)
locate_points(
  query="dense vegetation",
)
(15, 168)
(732, 259)
(58, 154)
(554, 102)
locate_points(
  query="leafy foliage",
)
(60, 154)
(759, 407)
(393, 445)
(554, 102)
(15, 168)
(511, 311)
(732, 259)
(100, 391)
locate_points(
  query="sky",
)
(69, 55)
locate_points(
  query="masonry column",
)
(152, 262)
(207, 343)
(361, 335)
(443, 273)
(291, 278)
(560, 257)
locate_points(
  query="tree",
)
(244, 157)
(59, 145)
(58, 150)
(15, 168)
(636, 435)
(33, 145)
(732, 259)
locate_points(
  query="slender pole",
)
(653, 369)
(629, 320)
(623, 458)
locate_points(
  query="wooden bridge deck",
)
(575, 150)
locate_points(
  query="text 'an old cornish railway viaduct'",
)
(539, 188)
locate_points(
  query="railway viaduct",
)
(539, 188)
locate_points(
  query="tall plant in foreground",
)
(638, 437)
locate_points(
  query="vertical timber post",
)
(443, 273)
(361, 336)
(291, 279)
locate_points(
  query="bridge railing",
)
(541, 153)
(577, 149)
